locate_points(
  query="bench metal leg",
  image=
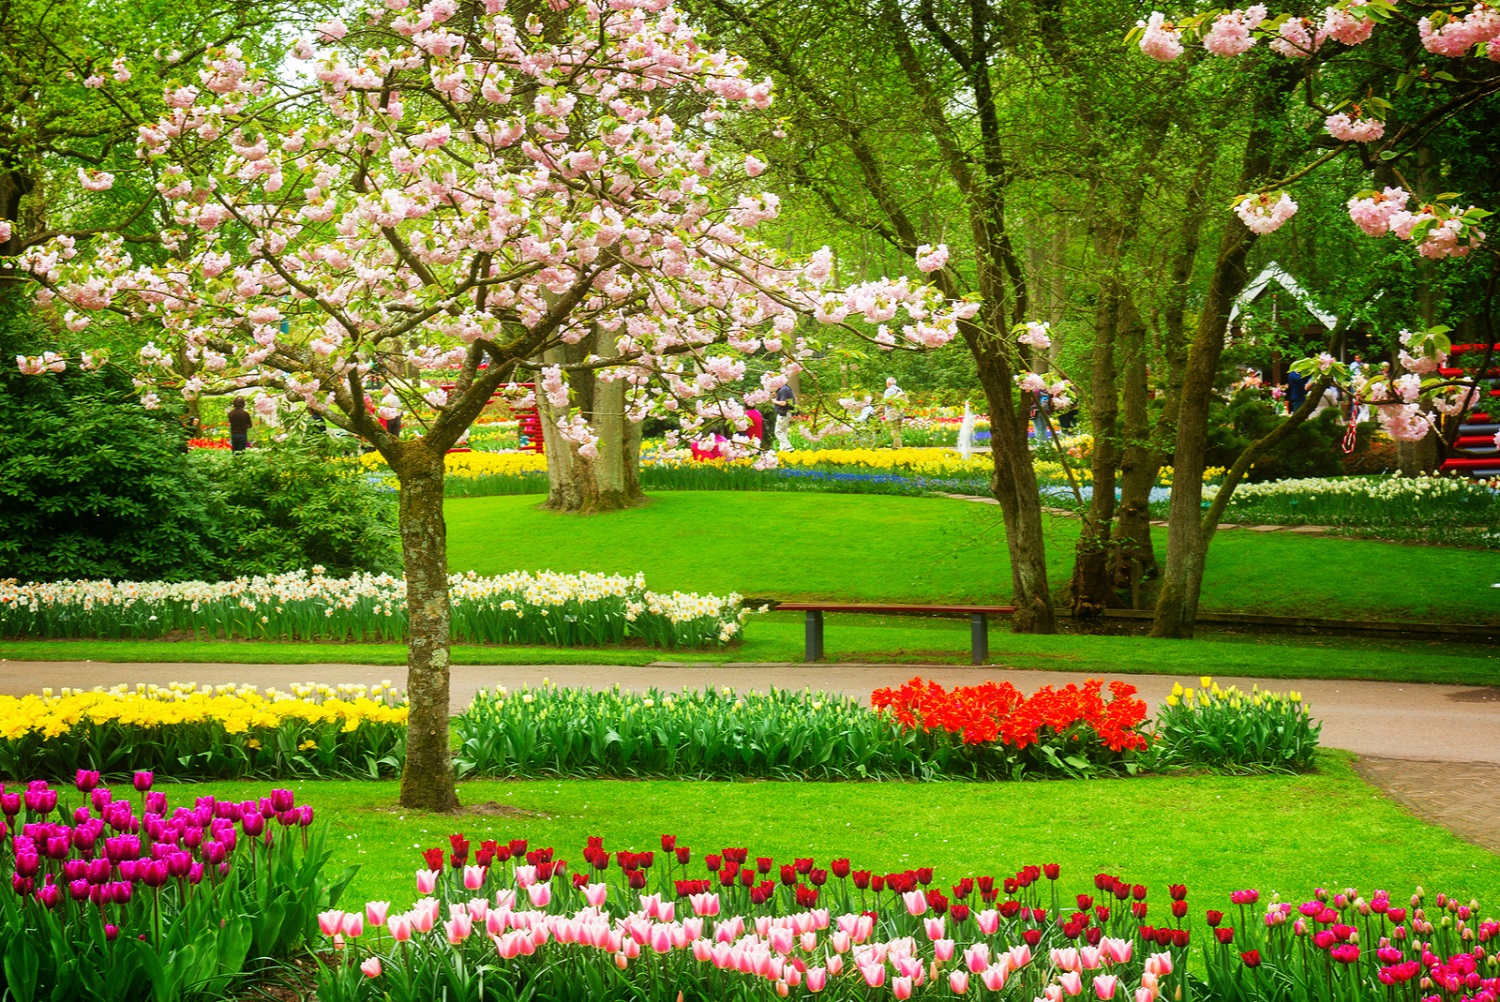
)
(979, 638)
(814, 646)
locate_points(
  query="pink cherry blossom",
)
(1456, 36)
(1037, 335)
(1373, 212)
(1266, 212)
(1355, 130)
(95, 180)
(930, 258)
(1160, 38)
(1231, 32)
(1298, 39)
(1346, 24)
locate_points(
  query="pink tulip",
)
(661, 939)
(540, 894)
(901, 988)
(474, 877)
(509, 945)
(330, 922)
(942, 949)
(817, 979)
(494, 922)
(989, 921)
(809, 941)
(958, 982)
(1020, 956)
(933, 927)
(1066, 959)
(704, 904)
(595, 894)
(423, 919)
(784, 988)
(1119, 951)
(375, 912)
(835, 965)
(840, 941)
(458, 928)
(1159, 964)
(1105, 985)
(781, 939)
(1144, 994)
(427, 881)
(371, 967)
(994, 976)
(791, 978)
(874, 974)
(1071, 982)
(400, 928)
(916, 902)
(1092, 958)
(506, 898)
(621, 961)
(354, 924)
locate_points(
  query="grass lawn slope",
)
(937, 550)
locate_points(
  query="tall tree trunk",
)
(1091, 589)
(1015, 487)
(610, 480)
(427, 780)
(1140, 461)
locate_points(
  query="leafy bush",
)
(220, 732)
(94, 485)
(1314, 449)
(1233, 731)
(296, 505)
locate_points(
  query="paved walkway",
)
(1434, 748)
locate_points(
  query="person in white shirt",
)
(895, 409)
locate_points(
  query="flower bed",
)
(165, 904)
(517, 608)
(919, 731)
(212, 732)
(1234, 731)
(674, 924)
(992, 731)
(1366, 501)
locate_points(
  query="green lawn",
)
(1215, 834)
(778, 637)
(937, 550)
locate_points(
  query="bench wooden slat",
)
(957, 610)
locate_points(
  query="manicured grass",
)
(937, 550)
(1215, 834)
(777, 637)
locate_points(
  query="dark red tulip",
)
(1212, 917)
(1052, 870)
(1251, 958)
(668, 843)
(1177, 892)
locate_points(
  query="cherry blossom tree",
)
(461, 194)
(1368, 80)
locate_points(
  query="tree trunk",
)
(1187, 549)
(1140, 461)
(1091, 589)
(609, 481)
(1015, 487)
(427, 780)
(1414, 459)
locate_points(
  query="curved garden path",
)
(1434, 748)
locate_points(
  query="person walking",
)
(1296, 391)
(239, 426)
(895, 409)
(782, 406)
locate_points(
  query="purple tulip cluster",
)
(104, 853)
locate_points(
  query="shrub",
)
(94, 485)
(168, 905)
(1233, 731)
(213, 732)
(297, 504)
(1312, 450)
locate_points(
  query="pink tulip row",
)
(809, 950)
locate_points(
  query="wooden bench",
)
(979, 621)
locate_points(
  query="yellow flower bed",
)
(926, 462)
(469, 465)
(186, 730)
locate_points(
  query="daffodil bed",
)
(208, 732)
(515, 608)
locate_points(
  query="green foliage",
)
(94, 485)
(1312, 450)
(298, 504)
